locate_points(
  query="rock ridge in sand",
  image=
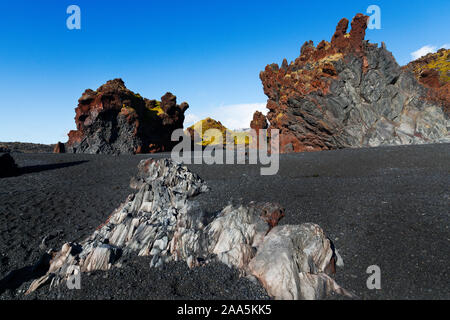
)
(162, 221)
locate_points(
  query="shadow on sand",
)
(45, 167)
(17, 277)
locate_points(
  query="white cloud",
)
(423, 51)
(427, 49)
(190, 119)
(235, 116)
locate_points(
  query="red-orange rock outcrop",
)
(349, 93)
(115, 120)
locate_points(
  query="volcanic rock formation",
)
(8, 167)
(4, 148)
(259, 122)
(350, 93)
(115, 120)
(59, 148)
(433, 71)
(199, 134)
(162, 221)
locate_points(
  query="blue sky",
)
(208, 53)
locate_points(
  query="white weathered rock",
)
(160, 220)
(291, 263)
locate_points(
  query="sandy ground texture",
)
(385, 206)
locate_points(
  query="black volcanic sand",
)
(385, 206)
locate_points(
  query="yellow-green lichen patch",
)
(155, 106)
(279, 115)
(330, 58)
(438, 61)
(241, 137)
(127, 110)
(442, 65)
(201, 127)
(213, 137)
(153, 110)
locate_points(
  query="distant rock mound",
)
(25, 147)
(198, 131)
(350, 93)
(199, 134)
(115, 120)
